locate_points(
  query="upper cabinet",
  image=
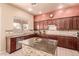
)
(66, 23)
(77, 23)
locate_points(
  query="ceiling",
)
(40, 8)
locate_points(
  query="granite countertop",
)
(18, 34)
(48, 46)
(61, 33)
(12, 36)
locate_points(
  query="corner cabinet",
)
(10, 45)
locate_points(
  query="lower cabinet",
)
(13, 45)
(10, 45)
(78, 44)
(64, 41)
(71, 43)
(67, 42)
(61, 41)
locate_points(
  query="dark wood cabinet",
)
(61, 24)
(61, 41)
(77, 23)
(71, 43)
(49, 22)
(45, 24)
(78, 44)
(41, 25)
(75, 43)
(71, 24)
(74, 21)
(66, 23)
(35, 25)
(67, 42)
(10, 45)
(13, 44)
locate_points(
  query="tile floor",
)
(60, 52)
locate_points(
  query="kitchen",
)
(54, 22)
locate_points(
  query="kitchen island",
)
(39, 46)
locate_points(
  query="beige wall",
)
(9, 13)
(0, 28)
(7, 16)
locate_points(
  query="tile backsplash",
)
(63, 33)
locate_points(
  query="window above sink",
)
(20, 25)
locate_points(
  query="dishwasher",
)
(18, 45)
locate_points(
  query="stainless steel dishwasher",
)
(18, 45)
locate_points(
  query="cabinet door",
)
(74, 23)
(75, 43)
(61, 41)
(45, 24)
(78, 23)
(60, 24)
(66, 24)
(78, 44)
(53, 22)
(50, 21)
(12, 44)
(71, 43)
(62, 27)
(41, 25)
(67, 42)
(38, 26)
(35, 25)
(70, 24)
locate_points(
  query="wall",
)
(0, 28)
(7, 16)
(67, 12)
(12, 12)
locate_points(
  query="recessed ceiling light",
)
(51, 15)
(30, 9)
(40, 12)
(60, 6)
